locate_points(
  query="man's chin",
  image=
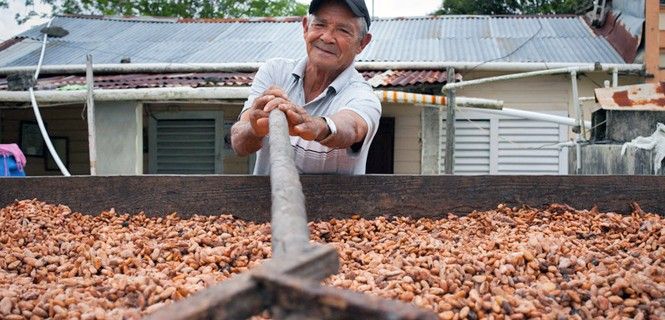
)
(324, 64)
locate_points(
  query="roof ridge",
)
(147, 19)
(288, 19)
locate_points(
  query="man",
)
(331, 110)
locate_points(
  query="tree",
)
(514, 7)
(173, 8)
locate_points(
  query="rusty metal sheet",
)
(649, 97)
(618, 33)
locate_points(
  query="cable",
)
(38, 115)
(516, 49)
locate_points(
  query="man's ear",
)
(364, 42)
(305, 24)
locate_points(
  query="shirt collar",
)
(337, 84)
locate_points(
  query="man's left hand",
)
(300, 122)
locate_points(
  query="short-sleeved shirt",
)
(349, 91)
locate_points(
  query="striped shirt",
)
(349, 91)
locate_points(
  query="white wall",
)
(119, 133)
(407, 137)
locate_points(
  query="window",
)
(186, 143)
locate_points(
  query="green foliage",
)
(175, 8)
(514, 7)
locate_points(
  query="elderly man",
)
(331, 110)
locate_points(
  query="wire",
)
(540, 28)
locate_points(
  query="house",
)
(140, 129)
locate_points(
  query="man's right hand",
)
(247, 134)
(258, 116)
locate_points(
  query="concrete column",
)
(119, 131)
(651, 40)
(431, 141)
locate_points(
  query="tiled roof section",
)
(403, 78)
(398, 78)
(473, 39)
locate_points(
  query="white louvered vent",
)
(472, 147)
(185, 145)
(498, 144)
(528, 147)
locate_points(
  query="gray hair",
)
(360, 21)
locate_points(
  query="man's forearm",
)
(243, 139)
(350, 130)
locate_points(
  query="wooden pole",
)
(290, 234)
(90, 104)
(450, 125)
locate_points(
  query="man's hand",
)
(247, 134)
(257, 115)
(300, 122)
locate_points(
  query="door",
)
(381, 157)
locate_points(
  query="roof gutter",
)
(253, 66)
(215, 93)
(148, 94)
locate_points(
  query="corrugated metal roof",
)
(440, 38)
(649, 96)
(397, 78)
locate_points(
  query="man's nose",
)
(327, 35)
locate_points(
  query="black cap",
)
(358, 8)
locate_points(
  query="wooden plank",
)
(289, 215)
(240, 297)
(312, 301)
(329, 196)
(449, 162)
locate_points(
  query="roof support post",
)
(90, 105)
(579, 127)
(450, 125)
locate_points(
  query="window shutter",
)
(528, 147)
(472, 147)
(497, 144)
(185, 145)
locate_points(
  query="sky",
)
(382, 8)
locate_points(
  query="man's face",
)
(333, 38)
